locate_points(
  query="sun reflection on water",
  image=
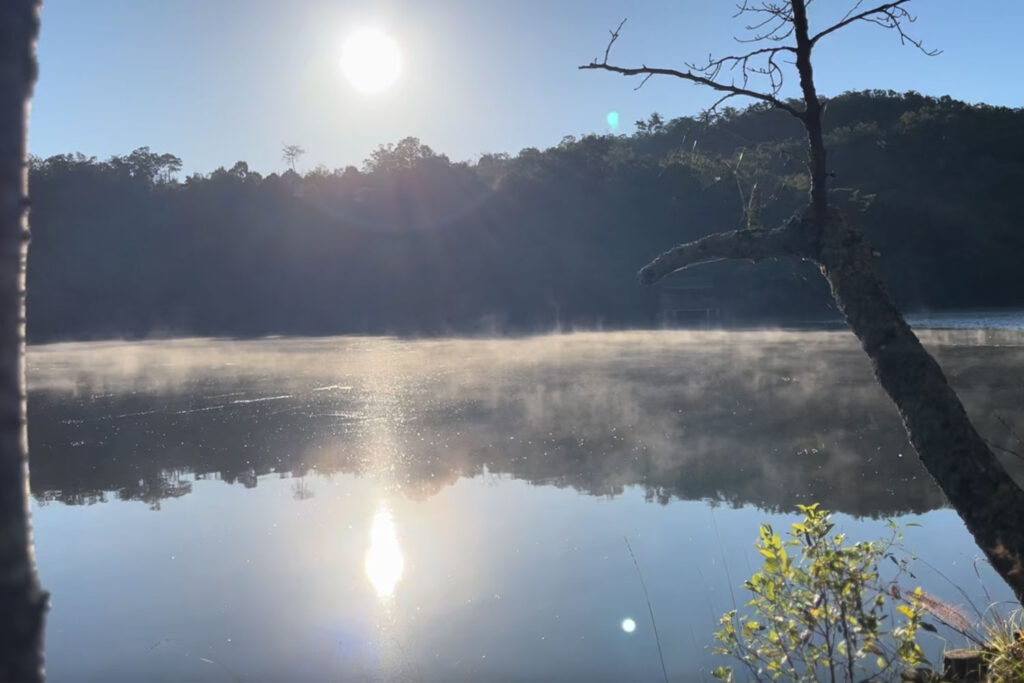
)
(384, 560)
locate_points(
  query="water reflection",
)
(485, 486)
(771, 419)
(384, 560)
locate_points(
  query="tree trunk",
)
(974, 481)
(22, 602)
(977, 485)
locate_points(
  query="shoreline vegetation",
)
(414, 244)
(823, 607)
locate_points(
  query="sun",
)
(370, 60)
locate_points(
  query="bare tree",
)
(291, 154)
(988, 500)
(22, 602)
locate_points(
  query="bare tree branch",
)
(851, 18)
(707, 113)
(646, 78)
(777, 25)
(975, 482)
(689, 76)
(771, 69)
(707, 74)
(891, 15)
(615, 36)
(744, 245)
(776, 21)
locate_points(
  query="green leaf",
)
(831, 583)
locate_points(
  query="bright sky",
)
(217, 81)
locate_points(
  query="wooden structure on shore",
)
(687, 300)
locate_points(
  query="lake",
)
(379, 509)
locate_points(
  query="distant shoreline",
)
(973, 319)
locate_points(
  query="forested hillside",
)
(415, 244)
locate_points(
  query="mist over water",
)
(213, 508)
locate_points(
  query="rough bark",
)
(22, 602)
(969, 474)
(972, 478)
(811, 116)
(746, 245)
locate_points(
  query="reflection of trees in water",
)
(151, 489)
(772, 423)
(301, 490)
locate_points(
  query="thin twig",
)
(1009, 428)
(650, 609)
(615, 36)
(988, 596)
(1004, 449)
(646, 78)
(891, 15)
(850, 18)
(725, 565)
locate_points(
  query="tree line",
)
(413, 243)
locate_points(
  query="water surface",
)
(456, 510)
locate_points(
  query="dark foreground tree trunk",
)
(974, 481)
(977, 485)
(22, 602)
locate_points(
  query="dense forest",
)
(413, 243)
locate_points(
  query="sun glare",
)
(370, 60)
(384, 561)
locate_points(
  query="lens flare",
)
(613, 120)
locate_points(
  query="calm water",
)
(371, 509)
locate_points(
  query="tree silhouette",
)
(988, 500)
(291, 154)
(235, 253)
(403, 155)
(22, 603)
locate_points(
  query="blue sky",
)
(217, 81)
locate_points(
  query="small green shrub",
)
(821, 611)
(1004, 654)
